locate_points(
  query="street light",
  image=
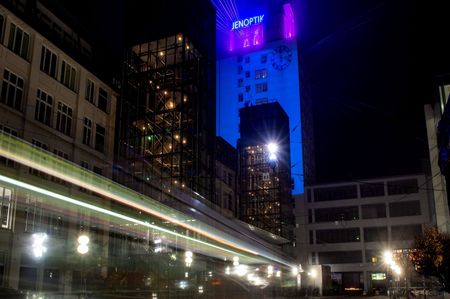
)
(272, 148)
(83, 241)
(388, 257)
(188, 258)
(38, 246)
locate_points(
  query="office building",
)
(348, 226)
(55, 102)
(264, 169)
(258, 63)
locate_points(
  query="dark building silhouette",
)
(226, 185)
(264, 168)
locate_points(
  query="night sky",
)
(368, 67)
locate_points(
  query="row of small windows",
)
(19, 43)
(397, 187)
(240, 59)
(260, 87)
(68, 78)
(370, 211)
(348, 257)
(259, 74)
(12, 93)
(371, 234)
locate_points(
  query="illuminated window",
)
(261, 74)
(48, 62)
(12, 90)
(44, 106)
(18, 41)
(378, 276)
(6, 207)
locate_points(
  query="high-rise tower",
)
(264, 168)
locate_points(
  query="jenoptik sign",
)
(247, 22)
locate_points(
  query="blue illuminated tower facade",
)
(260, 65)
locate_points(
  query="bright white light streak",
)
(126, 201)
(105, 211)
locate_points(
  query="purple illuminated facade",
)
(288, 21)
(249, 32)
(246, 37)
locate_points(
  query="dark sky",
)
(368, 68)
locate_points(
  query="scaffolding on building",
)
(164, 136)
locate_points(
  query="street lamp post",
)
(83, 249)
(393, 266)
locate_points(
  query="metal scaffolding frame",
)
(261, 189)
(162, 132)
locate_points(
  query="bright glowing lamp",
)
(272, 148)
(188, 258)
(269, 270)
(241, 270)
(38, 246)
(83, 241)
(388, 257)
(235, 261)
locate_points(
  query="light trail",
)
(122, 200)
(21, 152)
(89, 206)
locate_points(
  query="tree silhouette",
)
(432, 255)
